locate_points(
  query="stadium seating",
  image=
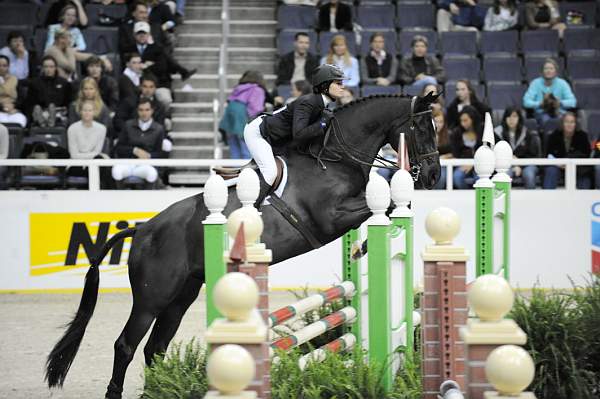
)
(19, 14)
(101, 40)
(540, 43)
(375, 17)
(296, 17)
(411, 15)
(462, 68)
(586, 68)
(503, 44)
(94, 11)
(586, 9)
(587, 95)
(368, 90)
(458, 44)
(501, 96)
(502, 70)
(582, 42)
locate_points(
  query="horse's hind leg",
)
(169, 319)
(138, 324)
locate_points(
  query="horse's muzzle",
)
(430, 171)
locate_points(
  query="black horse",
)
(166, 264)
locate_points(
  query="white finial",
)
(215, 199)
(490, 297)
(248, 187)
(488, 131)
(403, 189)
(484, 166)
(442, 225)
(510, 369)
(235, 295)
(504, 154)
(378, 199)
(230, 369)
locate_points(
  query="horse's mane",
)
(362, 100)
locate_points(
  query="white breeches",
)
(146, 172)
(260, 150)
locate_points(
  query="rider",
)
(305, 118)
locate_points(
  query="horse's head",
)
(421, 141)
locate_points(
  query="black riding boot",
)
(265, 190)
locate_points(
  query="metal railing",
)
(218, 105)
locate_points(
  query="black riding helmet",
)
(323, 75)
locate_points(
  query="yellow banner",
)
(65, 241)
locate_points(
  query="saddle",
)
(228, 173)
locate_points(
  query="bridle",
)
(415, 159)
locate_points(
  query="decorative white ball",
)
(491, 297)
(378, 193)
(484, 161)
(248, 186)
(442, 225)
(504, 154)
(230, 368)
(403, 187)
(235, 295)
(253, 223)
(510, 369)
(215, 193)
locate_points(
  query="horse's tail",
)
(60, 359)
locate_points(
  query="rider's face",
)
(336, 89)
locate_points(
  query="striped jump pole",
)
(343, 343)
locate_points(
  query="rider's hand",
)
(326, 117)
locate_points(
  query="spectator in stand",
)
(53, 16)
(48, 96)
(245, 103)
(465, 95)
(68, 22)
(160, 13)
(525, 143)
(596, 155)
(439, 103)
(465, 139)
(443, 142)
(10, 114)
(503, 15)
(568, 141)
(340, 56)
(299, 88)
(4, 144)
(109, 88)
(421, 69)
(179, 11)
(298, 64)
(17, 55)
(378, 67)
(8, 82)
(139, 13)
(129, 81)
(549, 96)
(544, 14)
(141, 138)
(460, 15)
(85, 137)
(335, 16)
(89, 91)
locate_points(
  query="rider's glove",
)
(326, 117)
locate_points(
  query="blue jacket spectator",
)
(460, 15)
(340, 56)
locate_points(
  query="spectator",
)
(8, 82)
(48, 95)
(68, 22)
(4, 145)
(139, 13)
(245, 103)
(465, 139)
(544, 14)
(438, 105)
(17, 55)
(141, 138)
(378, 67)
(549, 96)
(460, 15)
(340, 56)
(596, 155)
(335, 16)
(129, 81)
(503, 15)
(179, 11)
(298, 64)
(85, 137)
(465, 95)
(568, 141)
(55, 11)
(109, 88)
(525, 143)
(10, 114)
(89, 91)
(299, 88)
(128, 107)
(160, 13)
(420, 69)
(443, 142)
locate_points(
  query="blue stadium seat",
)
(285, 41)
(19, 14)
(93, 11)
(501, 96)
(406, 37)
(587, 69)
(325, 40)
(101, 40)
(531, 124)
(458, 44)
(587, 9)
(582, 42)
(592, 124)
(507, 70)
(39, 41)
(450, 91)
(462, 68)
(374, 2)
(587, 95)
(52, 137)
(503, 44)
(296, 17)
(415, 16)
(390, 42)
(540, 43)
(369, 90)
(15, 140)
(376, 17)
(533, 68)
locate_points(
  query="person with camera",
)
(549, 96)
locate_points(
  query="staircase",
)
(251, 46)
